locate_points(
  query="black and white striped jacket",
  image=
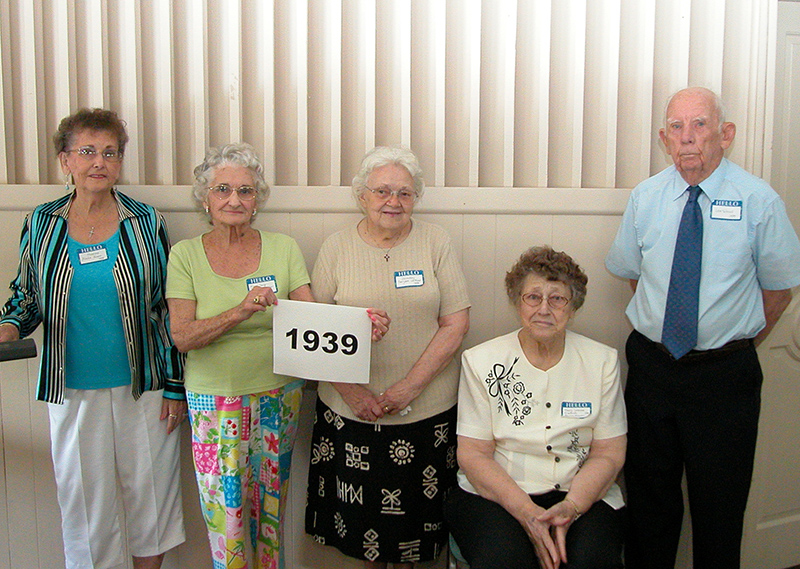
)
(40, 293)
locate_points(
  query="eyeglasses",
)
(224, 191)
(404, 195)
(556, 301)
(89, 153)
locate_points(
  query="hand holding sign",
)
(380, 323)
(325, 342)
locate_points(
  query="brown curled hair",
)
(90, 119)
(551, 265)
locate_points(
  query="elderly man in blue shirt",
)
(711, 257)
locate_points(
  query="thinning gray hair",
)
(235, 154)
(719, 106)
(381, 156)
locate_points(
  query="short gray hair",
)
(236, 154)
(381, 156)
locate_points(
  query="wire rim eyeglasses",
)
(89, 153)
(224, 192)
(403, 194)
(556, 301)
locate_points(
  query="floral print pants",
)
(242, 449)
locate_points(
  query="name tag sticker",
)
(267, 282)
(92, 254)
(576, 409)
(728, 210)
(405, 279)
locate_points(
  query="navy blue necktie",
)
(679, 334)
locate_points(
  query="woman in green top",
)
(221, 287)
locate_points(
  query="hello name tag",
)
(405, 279)
(728, 210)
(266, 282)
(576, 409)
(92, 254)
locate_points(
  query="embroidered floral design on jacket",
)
(510, 393)
(575, 448)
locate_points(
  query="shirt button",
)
(558, 459)
(547, 427)
(549, 448)
(557, 486)
(547, 405)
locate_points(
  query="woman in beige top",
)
(383, 454)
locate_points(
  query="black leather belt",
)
(699, 355)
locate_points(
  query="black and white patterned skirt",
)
(376, 492)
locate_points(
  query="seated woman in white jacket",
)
(541, 433)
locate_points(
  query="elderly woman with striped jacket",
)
(92, 271)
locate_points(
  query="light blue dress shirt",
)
(748, 245)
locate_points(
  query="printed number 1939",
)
(312, 342)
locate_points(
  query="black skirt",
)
(376, 492)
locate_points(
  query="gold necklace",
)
(386, 254)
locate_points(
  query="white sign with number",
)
(325, 342)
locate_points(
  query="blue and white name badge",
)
(576, 409)
(405, 279)
(92, 254)
(267, 282)
(728, 210)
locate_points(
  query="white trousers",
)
(96, 436)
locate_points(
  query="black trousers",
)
(491, 538)
(700, 415)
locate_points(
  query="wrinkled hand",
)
(174, 412)
(360, 400)
(398, 397)
(380, 323)
(559, 517)
(257, 300)
(546, 549)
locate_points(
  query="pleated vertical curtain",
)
(490, 93)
